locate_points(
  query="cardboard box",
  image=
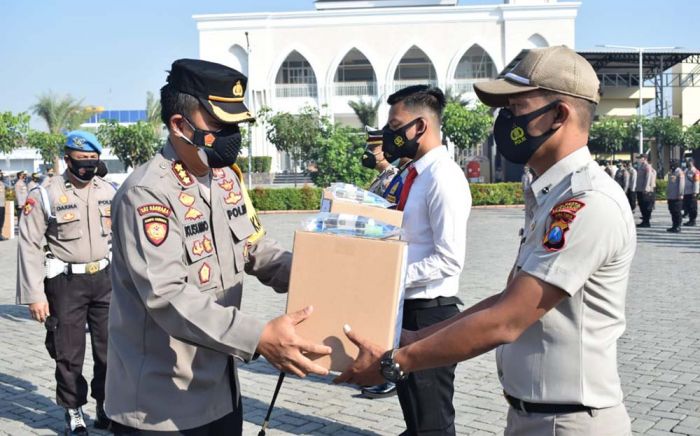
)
(335, 205)
(348, 280)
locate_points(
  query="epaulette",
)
(581, 181)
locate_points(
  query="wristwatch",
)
(391, 370)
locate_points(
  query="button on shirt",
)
(582, 240)
(435, 226)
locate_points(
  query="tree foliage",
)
(49, 145)
(61, 112)
(466, 127)
(338, 158)
(295, 134)
(153, 113)
(366, 111)
(13, 130)
(133, 145)
(691, 137)
(452, 96)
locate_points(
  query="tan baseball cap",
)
(558, 69)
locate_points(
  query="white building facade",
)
(351, 50)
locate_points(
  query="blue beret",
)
(83, 141)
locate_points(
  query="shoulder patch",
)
(182, 175)
(562, 215)
(156, 229)
(29, 206)
(156, 208)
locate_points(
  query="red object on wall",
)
(473, 169)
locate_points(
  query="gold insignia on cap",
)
(238, 89)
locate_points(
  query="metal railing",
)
(296, 90)
(464, 86)
(400, 84)
(354, 88)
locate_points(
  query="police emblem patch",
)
(158, 208)
(68, 217)
(563, 214)
(156, 229)
(28, 206)
(63, 199)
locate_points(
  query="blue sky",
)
(112, 53)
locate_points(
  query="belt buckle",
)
(92, 267)
(521, 404)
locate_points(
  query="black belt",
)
(526, 407)
(429, 303)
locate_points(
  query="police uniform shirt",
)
(633, 179)
(76, 230)
(2, 193)
(379, 185)
(676, 185)
(692, 181)
(178, 259)
(582, 240)
(21, 192)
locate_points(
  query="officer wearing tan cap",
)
(185, 232)
(556, 324)
(66, 284)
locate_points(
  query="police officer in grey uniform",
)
(645, 188)
(34, 182)
(690, 196)
(557, 322)
(631, 194)
(622, 177)
(21, 190)
(185, 232)
(66, 283)
(2, 204)
(674, 195)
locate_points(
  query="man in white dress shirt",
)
(436, 202)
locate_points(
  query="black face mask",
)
(221, 147)
(512, 138)
(87, 165)
(395, 143)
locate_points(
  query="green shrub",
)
(261, 164)
(306, 198)
(489, 194)
(661, 189)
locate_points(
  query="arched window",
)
(296, 78)
(476, 64)
(537, 41)
(414, 68)
(240, 59)
(355, 75)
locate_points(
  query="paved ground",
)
(659, 354)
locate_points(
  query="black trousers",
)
(632, 198)
(426, 396)
(2, 217)
(690, 205)
(646, 202)
(74, 300)
(675, 207)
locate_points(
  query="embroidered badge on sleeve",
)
(156, 229)
(563, 214)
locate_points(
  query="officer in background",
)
(20, 191)
(690, 195)
(631, 194)
(645, 188)
(34, 181)
(3, 197)
(622, 177)
(66, 283)
(610, 169)
(50, 174)
(557, 323)
(674, 195)
(185, 231)
(373, 159)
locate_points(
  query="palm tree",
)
(455, 97)
(61, 113)
(153, 113)
(366, 111)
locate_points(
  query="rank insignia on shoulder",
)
(182, 175)
(562, 215)
(28, 206)
(152, 208)
(156, 229)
